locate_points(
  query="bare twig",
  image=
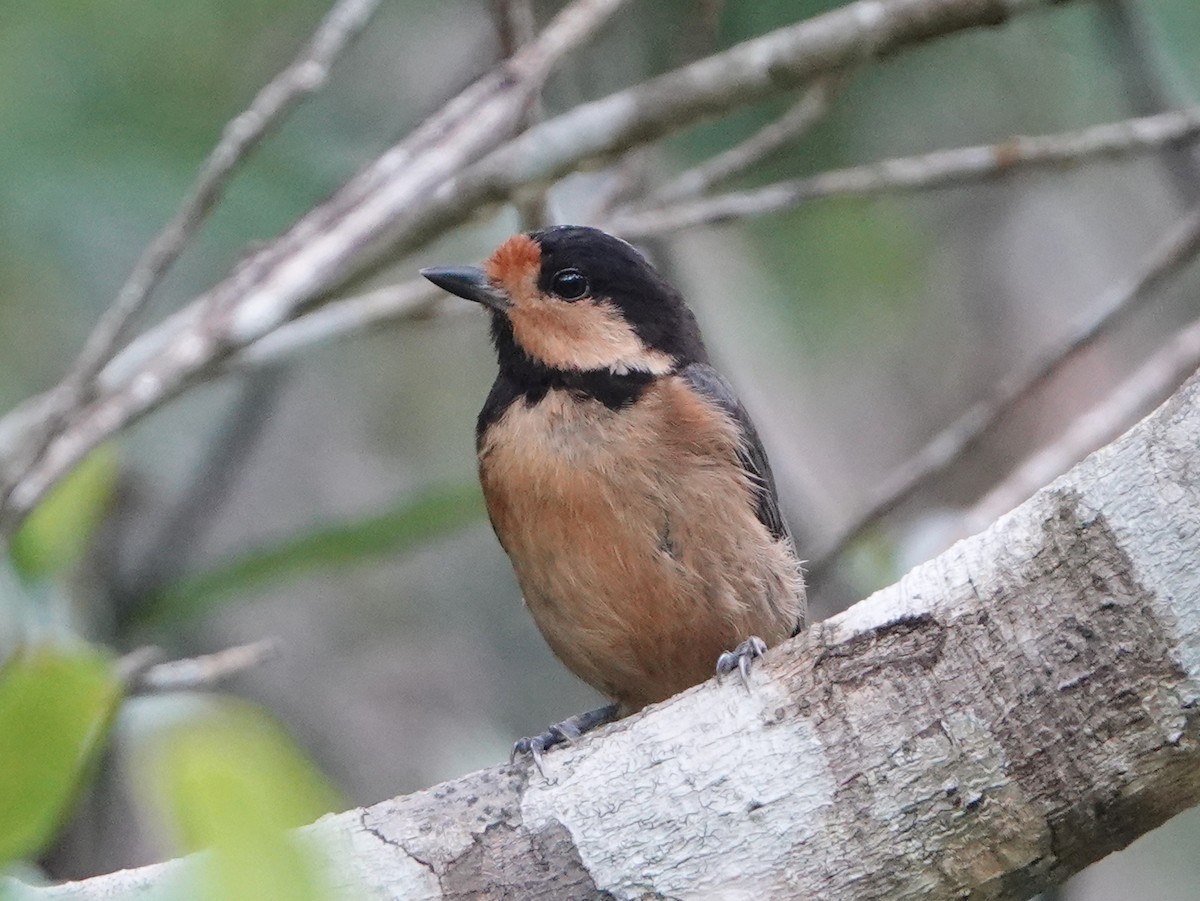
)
(635, 117)
(414, 300)
(780, 60)
(137, 661)
(446, 169)
(143, 674)
(270, 287)
(409, 300)
(305, 75)
(413, 190)
(798, 119)
(517, 26)
(1137, 395)
(939, 169)
(1170, 255)
(406, 302)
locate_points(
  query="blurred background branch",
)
(939, 169)
(306, 74)
(431, 180)
(144, 672)
(1176, 250)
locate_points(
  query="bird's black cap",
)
(618, 273)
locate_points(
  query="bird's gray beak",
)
(469, 282)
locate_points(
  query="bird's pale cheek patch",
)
(583, 335)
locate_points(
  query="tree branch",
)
(783, 59)
(1137, 59)
(1175, 251)
(1003, 716)
(1147, 387)
(270, 286)
(457, 162)
(305, 75)
(772, 137)
(517, 26)
(417, 300)
(242, 135)
(940, 169)
(144, 673)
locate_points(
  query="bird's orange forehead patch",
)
(515, 264)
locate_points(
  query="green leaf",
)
(232, 781)
(408, 525)
(56, 706)
(57, 532)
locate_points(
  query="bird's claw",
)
(565, 732)
(534, 746)
(742, 659)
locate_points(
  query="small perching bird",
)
(622, 476)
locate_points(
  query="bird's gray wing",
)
(751, 454)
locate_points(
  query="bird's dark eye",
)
(569, 284)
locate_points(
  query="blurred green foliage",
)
(55, 535)
(56, 705)
(434, 513)
(231, 781)
(824, 253)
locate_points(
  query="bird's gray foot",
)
(565, 732)
(742, 659)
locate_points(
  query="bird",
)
(622, 476)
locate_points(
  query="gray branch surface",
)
(1003, 716)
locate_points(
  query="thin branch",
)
(1137, 395)
(517, 26)
(143, 674)
(639, 115)
(942, 168)
(412, 301)
(306, 74)
(1168, 257)
(783, 59)
(1137, 59)
(447, 168)
(270, 287)
(774, 136)
(401, 302)
(415, 300)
